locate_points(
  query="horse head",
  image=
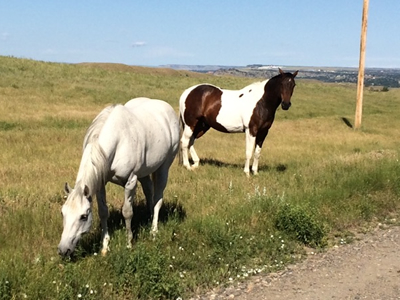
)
(287, 87)
(77, 218)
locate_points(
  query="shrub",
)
(299, 222)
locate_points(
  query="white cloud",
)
(138, 44)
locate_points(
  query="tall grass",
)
(319, 181)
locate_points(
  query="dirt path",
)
(365, 269)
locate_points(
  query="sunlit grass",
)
(217, 226)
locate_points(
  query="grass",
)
(319, 181)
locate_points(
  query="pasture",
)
(319, 181)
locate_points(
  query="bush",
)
(300, 223)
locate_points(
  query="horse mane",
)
(92, 133)
(94, 165)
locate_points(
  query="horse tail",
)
(181, 126)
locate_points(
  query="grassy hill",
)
(320, 181)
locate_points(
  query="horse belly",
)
(231, 118)
(141, 164)
(144, 155)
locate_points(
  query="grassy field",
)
(320, 181)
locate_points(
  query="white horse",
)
(250, 110)
(124, 144)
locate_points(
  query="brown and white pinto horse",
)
(250, 110)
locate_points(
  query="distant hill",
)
(198, 68)
(373, 76)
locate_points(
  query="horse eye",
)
(84, 217)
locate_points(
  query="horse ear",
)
(280, 71)
(67, 188)
(295, 73)
(86, 191)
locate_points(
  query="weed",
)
(9, 125)
(146, 273)
(5, 289)
(302, 224)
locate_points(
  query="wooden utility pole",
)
(361, 67)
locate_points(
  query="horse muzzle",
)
(66, 249)
(64, 252)
(286, 105)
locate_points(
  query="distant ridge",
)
(198, 68)
(373, 76)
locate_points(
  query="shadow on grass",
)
(347, 122)
(218, 163)
(90, 243)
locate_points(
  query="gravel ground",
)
(368, 268)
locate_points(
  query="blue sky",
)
(208, 32)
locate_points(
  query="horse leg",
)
(160, 178)
(193, 154)
(257, 152)
(201, 128)
(147, 186)
(127, 209)
(103, 214)
(250, 142)
(187, 141)
(187, 136)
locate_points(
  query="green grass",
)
(319, 181)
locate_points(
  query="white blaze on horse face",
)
(77, 220)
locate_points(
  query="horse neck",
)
(272, 94)
(93, 168)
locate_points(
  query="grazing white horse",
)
(250, 110)
(124, 144)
